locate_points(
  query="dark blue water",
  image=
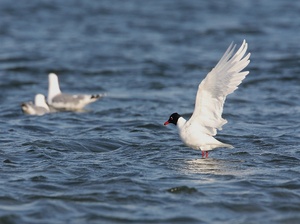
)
(116, 162)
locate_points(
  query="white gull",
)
(63, 101)
(223, 79)
(39, 107)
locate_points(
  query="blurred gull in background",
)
(62, 101)
(39, 107)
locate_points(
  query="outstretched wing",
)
(222, 80)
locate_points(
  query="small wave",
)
(182, 189)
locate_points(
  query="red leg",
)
(202, 154)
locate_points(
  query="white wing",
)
(222, 80)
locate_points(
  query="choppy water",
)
(116, 162)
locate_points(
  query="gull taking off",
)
(198, 132)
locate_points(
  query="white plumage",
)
(206, 119)
(62, 101)
(39, 107)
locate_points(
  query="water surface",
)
(116, 162)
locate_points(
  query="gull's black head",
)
(173, 119)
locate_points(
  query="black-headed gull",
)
(62, 101)
(223, 79)
(39, 107)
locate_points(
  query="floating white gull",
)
(62, 101)
(39, 107)
(223, 79)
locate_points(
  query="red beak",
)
(166, 123)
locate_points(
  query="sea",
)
(115, 161)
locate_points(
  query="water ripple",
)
(115, 162)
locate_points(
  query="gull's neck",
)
(181, 122)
